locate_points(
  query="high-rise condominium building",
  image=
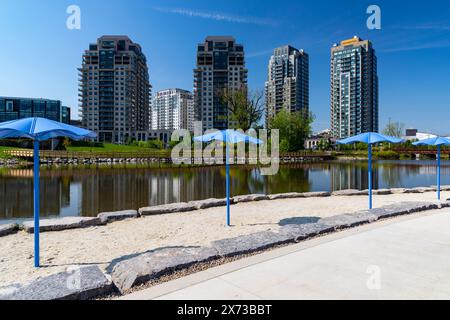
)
(12, 108)
(354, 88)
(173, 109)
(220, 66)
(287, 86)
(115, 90)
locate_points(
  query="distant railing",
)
(421, 151)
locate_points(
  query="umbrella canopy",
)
(228, 136)
(40, 129)
(438, 142)
(370, 138)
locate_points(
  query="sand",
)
(100, 245)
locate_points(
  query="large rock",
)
(349, 220)
(107, 217)
(65, 223)
(77, 284)
(443, 188)
(424, 189)
(210, 203)
(398, 190)
(349, 192)
(316, 194)
(250, 243)
(250, 197)
(167, 208)
(413, 190)
(380, 191)
(289, 195)
(7, 229)
(299, 232)
(402, 208)
(154, 264)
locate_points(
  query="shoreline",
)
(107, 245)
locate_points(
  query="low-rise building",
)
(323, 137)
(13, 108)
(414, 134)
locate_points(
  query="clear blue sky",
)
(39, 55)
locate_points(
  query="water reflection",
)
(69, 191)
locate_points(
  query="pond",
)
(86, 191)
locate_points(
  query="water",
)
(81, 191)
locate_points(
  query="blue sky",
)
(39, 55)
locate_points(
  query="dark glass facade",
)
(18, 108)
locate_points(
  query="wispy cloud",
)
(218, 16)
(423, 46)
(259, 53)
(442, 26)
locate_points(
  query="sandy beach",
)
(101, 245)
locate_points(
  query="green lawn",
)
(109, 147)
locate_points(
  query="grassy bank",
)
(384, 155)
(109, 147)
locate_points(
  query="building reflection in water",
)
(352, 176)
(87, 191)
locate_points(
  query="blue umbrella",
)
(370, 138)
(228, 136)
(40, 129)
(436, 141)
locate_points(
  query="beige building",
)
(114, 89)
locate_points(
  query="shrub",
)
(387, 154)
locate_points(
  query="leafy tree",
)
(246, 108)
(394, 129)
(155, 144)
(324, 144)
(294, 128)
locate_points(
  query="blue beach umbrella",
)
(438, 142)
(228, 137)
(370, 138)
(40, 129)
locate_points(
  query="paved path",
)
(403, 258)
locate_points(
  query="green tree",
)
(394, 129)
(155, 144)
(246, 108)
(294, 128)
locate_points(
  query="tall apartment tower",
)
(287, 86)
(115, 90)
(173, 109)
(220, 65)
(354, 88)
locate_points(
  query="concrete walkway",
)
(402, 258)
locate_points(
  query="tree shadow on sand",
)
(298, 220)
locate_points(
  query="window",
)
(9, 106)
